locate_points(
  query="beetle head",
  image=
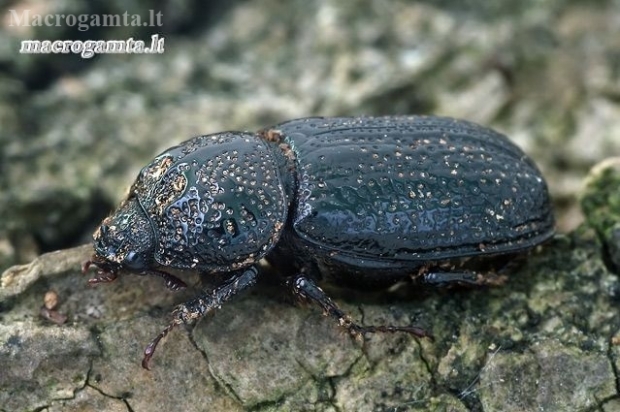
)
(124, 241)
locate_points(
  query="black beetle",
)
(365, 201)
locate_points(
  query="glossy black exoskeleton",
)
(366, 201)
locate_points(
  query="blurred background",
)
(74, 132)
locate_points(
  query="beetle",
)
(362, 201)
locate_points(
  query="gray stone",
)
(42, 363)
(88, 400)
(550, 376)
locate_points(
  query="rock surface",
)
(76, 131)
(544, 340)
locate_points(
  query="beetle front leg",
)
(172, 282)
(307, 289)
(203, 304)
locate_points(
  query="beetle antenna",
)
(86, 265)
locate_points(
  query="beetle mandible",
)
(360, 200)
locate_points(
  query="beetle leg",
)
(172, 282)
(307, 289)
(463, 278)
(447, 278)
(203, 304)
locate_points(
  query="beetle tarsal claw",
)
(149, 351)
(412, 330)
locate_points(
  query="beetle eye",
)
(133, 261)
